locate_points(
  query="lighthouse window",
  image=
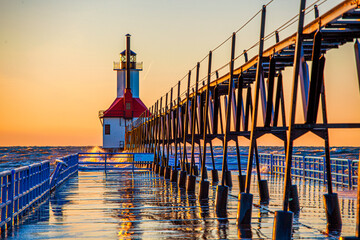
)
(107, 129)
(128, 106)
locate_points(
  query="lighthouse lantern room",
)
(127, 106)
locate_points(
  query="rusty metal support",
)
(185, 127)
(222, 190)
(269, 101)
(191, 179)
(239, 103)
(241, 177)
(216, 110)
(316, 11)
(299, 40)
(283, 219)
(156, 132)
(228, 112)
(245, 199)
(160, 130)
(177, 119)
(164, 131)
(248, 108)
(204, 184)
(169, 135)
(256, 101)
(193, 119)
(279, 99)
(315, 88)
(205, 117)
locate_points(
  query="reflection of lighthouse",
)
(127, 106)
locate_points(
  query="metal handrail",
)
(313, 168)
(24, 187)
(102, 161)
(21, 189)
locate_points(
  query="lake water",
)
(12, 157)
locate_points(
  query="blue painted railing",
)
(21, 189)
(115, 161)
(24, 187)
(344, 171)
(65, 168)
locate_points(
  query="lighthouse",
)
(127, 106)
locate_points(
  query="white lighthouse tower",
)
(127, 106)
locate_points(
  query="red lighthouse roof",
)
(117, 108)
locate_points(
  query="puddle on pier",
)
(140, 205)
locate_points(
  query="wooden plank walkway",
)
(140, 205)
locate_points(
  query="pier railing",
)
(21, 189)
(344, 171)
(114, 161)
(24, 187)
(65, 168)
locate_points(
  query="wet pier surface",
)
(141, 205)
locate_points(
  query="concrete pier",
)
(126, 205)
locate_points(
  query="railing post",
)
(304, 167)
(3, 201)
(27, 187)
(133, 162)
(77, 162)
(105, 161)
(271, 164)
(39, 183)
(284, 165)
(349, 173)
(16, 193)
(324, 170)
(11, 198)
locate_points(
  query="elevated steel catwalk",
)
(228, 107)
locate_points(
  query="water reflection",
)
(60, 197)
(124, 205)
(39, 215)
(222, 230)
(245, 232)
(126, 210)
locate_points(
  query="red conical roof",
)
(117, 108)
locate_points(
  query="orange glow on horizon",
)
(56, 63)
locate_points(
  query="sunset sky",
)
(56, 61)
